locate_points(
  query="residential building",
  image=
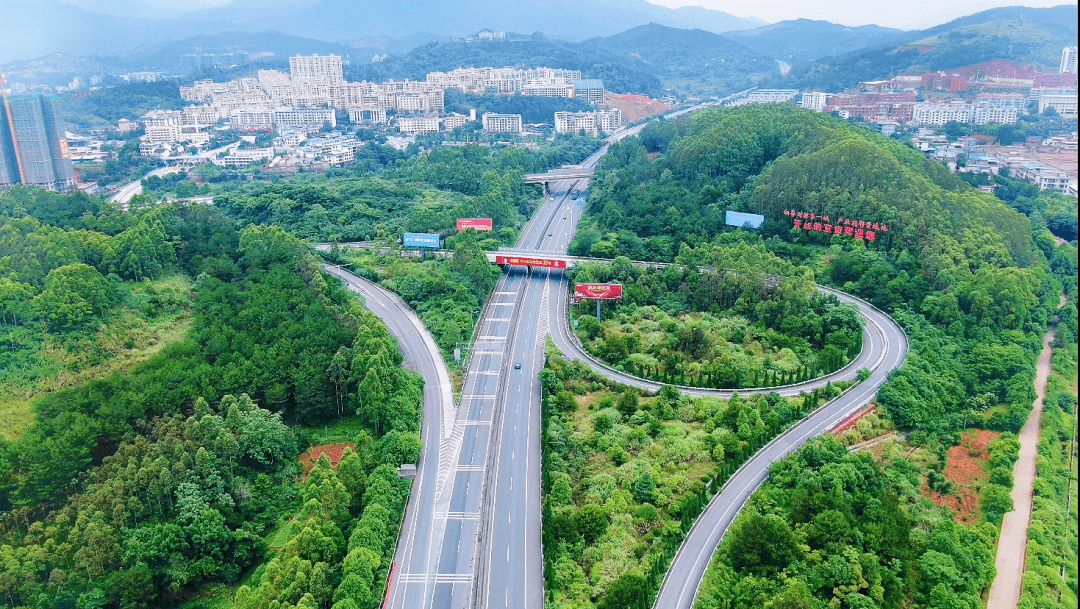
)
(814, 100)
(124, 125)
(771, 96)
(33, 147)
(252, 119)
(939, 113)
(1063, 104)
(316, 67)
(308, 120)
(501, 123)
(162, 126)
(243, 157)
(1068, 60)
(983, 113)
(601, 121)
(418, 124)
(367, 115)
(453, 121)
(1043, 177)
(591, 90)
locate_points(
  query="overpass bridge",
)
(565, 173)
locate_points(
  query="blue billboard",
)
(420, 240)
(737, 218)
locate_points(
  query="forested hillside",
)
(972, 281)
(138, 487)
(967, 276)
(1019, 34)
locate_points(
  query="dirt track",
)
(1005, 591)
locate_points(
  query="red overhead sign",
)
(479, 224)
(599, 291)
(541, 262)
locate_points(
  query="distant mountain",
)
(261, 47)
(32, 28)
(678, 56)
(803, 40)
(396, 46)
(1019, 34)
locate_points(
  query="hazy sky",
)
(903, 14)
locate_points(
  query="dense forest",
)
(971, 280)
(736, 316)
(847, 530)
(425, 193)
(138, 487)
(625, 475)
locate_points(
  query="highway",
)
(423, 355)
(471, 535)
(687, 568)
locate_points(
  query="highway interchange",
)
(471, 534)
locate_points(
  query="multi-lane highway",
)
(471, 535)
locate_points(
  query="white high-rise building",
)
(815, 100)
(325, 68)
(1068, 60)
(501, 123)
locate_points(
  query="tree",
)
(591, 521)
(73, 294)
(746, 551)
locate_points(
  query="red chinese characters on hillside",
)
(860, 229)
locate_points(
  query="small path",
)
(1012, 545)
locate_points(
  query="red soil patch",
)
(964, 467)
(851, 420)
(332, 451)
(635, 107)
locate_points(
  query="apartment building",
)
(501, 123)
(33, 147)
(600, 121)
(814, 100)
(1043, 177)
(418, 124)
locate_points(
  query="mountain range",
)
(32, 28)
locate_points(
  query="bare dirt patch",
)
(332, 451)
(965, 467)
(635, 107)
(851, 420)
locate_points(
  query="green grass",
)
(341, 430)
(212, 596)
(150, 316)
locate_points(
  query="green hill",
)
(1018, 34)
(689, 61)
(801, 40)
(960, 269)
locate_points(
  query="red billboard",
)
(541, 262)
(599, 291)
(479, 224)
